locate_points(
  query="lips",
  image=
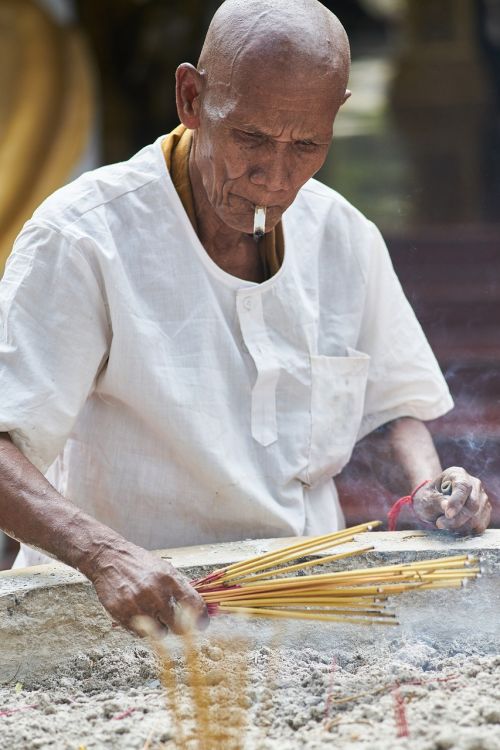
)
(258, 202)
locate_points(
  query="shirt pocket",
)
(338, 386)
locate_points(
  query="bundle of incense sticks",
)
(264, 586)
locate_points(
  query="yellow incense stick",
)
(302, 603)
(250, 611)
(265, 585)
(312, 606)
(441, 585)
(308, 564)
(282, 559)
(372, 571)
(451, 574)
(300, 548)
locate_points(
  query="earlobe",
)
(346, 96)
(188, 84)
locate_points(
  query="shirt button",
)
(247, 303)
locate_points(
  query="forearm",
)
(129, 581)
(402, 455)
(414, 455)
(33, 512)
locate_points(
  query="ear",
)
(188, 87)
(346, 96)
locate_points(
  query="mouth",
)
(251, 205)
(241, 214)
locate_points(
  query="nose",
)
(273, 174)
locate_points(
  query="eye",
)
(249, 137)
(306, 145)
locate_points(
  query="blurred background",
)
(416, 148)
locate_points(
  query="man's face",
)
(260, 140)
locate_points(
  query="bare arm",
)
(129, 580)
(402, 455)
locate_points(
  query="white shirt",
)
(179, 404)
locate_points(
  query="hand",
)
(132, 584)
(454, 501)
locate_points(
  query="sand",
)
(435, 678)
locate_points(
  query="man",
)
(180, 383)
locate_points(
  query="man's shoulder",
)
(110, 188)
(333, 225)
(329, 204)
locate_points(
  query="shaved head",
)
(261, 103)
(294, 37)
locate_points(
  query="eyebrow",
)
(248, 128)
(255, 131)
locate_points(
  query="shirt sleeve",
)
(404, 377)
(54, 337)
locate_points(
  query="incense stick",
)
(303, 615)
(293, 551)
(265, 585)
(303, 565)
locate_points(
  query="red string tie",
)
(393, 515)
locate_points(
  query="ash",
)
(432, 683)
(341, 690)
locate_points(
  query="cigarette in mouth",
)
(259, 222)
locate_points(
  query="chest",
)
(242, 260)
(174, 299)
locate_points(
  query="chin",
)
(237, 221)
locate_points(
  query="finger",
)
(445, 524)
(146, 626)
(463, 523)
(473, 507)
(453, 504)
(482, 520)
(477, 498)
(475, 516)
(191, 600)
(184, 618)
(452, 524)
(178, 618)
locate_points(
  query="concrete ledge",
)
(50, 612)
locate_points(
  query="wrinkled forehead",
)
(279, 80)
(272, 111)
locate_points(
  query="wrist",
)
(94, 546)
(424, 504)
(393, 515)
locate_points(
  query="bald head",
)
(284, 37)
(271, 78)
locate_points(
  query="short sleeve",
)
(54, 337)
(404, 377)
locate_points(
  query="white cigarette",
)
(259, 222)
